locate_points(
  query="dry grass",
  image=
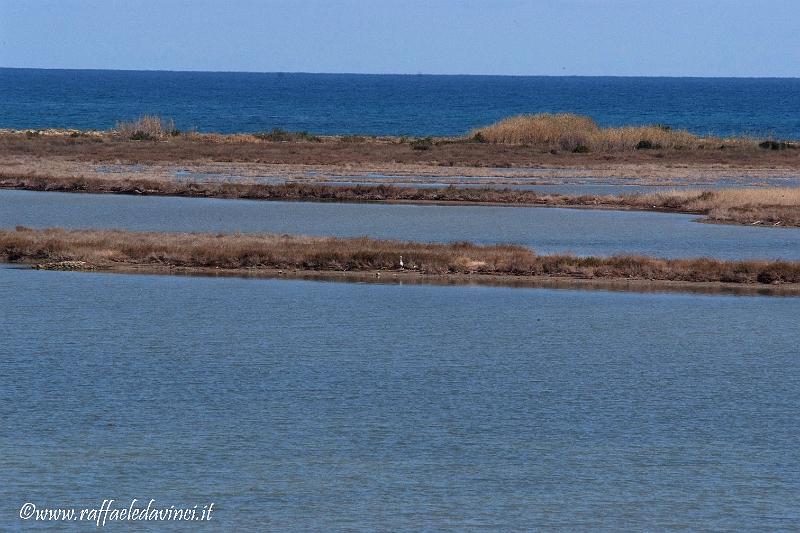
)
(100, 249)
(768, 206)
(566, 131)
(146, 127)
(382, 154)
(543, 128)
(296, 191)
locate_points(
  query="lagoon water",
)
(309, 406)
(547, 230)
(390, 105)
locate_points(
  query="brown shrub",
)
(146, 127)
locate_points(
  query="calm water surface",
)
(323, 407)
(585, 232)
(390, 105)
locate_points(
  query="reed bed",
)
(308, 192)
(767, 206)
(577, 133)
(105, 248)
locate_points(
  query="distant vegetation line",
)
(561, 131)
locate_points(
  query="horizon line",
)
(425, 74)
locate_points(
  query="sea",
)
(390, 104)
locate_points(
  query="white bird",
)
(401, 262)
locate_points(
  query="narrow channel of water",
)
(547, 230)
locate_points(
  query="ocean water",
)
(546, 230)
(390, 104)
(308, 406)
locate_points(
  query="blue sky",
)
(565, 37)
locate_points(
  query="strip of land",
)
(297, 256)
(536, 145)
(753, 206)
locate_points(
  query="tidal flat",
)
(521, 142)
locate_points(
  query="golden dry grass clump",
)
(105, 248)
(578, 133)
(146, 127)
(543, 128)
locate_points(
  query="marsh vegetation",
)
(99, 249)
